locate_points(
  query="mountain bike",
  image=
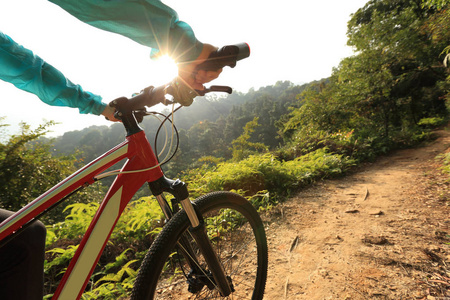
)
(213, 247)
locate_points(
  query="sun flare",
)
(165, 68)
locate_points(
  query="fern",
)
(61, 258)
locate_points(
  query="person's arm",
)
(31, 73)
(148, 22)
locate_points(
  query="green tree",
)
(377, 97)
(28, 169)
(393, 42)
(397, 68)
(242, 147)
(438, 25)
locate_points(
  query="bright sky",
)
(296, 40)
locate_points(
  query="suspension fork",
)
(183, 243)
(197, 229)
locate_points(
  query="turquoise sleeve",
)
(31, 73)
(148, 22)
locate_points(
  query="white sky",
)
(296, 40)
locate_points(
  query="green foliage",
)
(140, 221)
(431, 122)
(57, 260)
(318, 164)
(140, 218)
(224, 222)
(395, 42)
(438, 27)
(116, 271)
(28, 168)
(308, 140)
(262, 200)
(77, 222)
(61, 257)
(242, 147)
(386, 96)
(210, 160)
(117, 280)
(261, 175)
(439, 4)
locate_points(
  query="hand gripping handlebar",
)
(225, 56)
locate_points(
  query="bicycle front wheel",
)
(238, 238)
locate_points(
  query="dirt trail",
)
(381, 233)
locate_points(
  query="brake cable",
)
(165, 160)
(174, 129)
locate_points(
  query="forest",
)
(265, 144)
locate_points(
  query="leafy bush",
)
(318, 164)
(140, 221)
(75, 224)
(265, 173)
(431, 122)
(307, 140)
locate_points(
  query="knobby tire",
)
(238, 237)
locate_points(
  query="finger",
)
(197, 86)
(206, 76)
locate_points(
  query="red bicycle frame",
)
(141, 167)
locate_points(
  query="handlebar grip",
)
(225, 56)
(150, 96)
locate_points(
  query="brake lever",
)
(215, 88)
(184, 95)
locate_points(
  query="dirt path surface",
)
(382, 232)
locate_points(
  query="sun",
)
(165, 68)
